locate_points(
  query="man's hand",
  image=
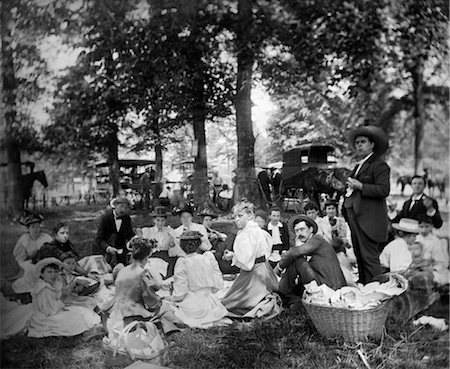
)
(277, 270)
(112, 250)
(428, 203)
(354, 184)
(227, 255)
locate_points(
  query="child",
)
(396, 256)
(197, 279)
(51, 317)
(419, 263)
(261, 218)
(74, 290)
(280, 235)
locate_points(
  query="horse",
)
(403, 181)
(27, 184)
(314, 181)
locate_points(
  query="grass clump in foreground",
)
(287, 341)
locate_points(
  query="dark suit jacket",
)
(107, 235)
(284, 235)
(323, 260)
(369, 204)
(418, 211)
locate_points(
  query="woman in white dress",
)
(196, 280)
(252, 293)
(50, 316)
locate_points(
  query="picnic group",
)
(195, 276)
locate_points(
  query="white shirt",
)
(396, 256)
(163, 236)
(117, 221)
(276, 238)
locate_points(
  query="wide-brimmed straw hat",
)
(376, 134)
(160, 211)
(302, 218)
(44, 262)
(30, 219)
(407, 225)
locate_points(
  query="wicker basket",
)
(353, 325)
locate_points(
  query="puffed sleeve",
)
(180, 284)
(19, 252)
(217, 274)
(206, 244)
(244, 251)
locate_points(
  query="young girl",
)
(197, 278)
(74, 290)
(51, 317)
(251, 295)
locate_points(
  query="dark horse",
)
(403, 181)
(27, 184)
(314, 181)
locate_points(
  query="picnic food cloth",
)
(360, 297)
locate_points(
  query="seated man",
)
(114, 232)
(323, 266)
(224, 198)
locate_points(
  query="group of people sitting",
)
(174, 274)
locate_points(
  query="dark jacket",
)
(107, 235)
(284, 235)
(418, 211)
(323, 260)
(369, 204)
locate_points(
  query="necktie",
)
(413, 202)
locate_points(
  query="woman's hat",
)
(207, 213)
(191, 235)
(30, 219)
(160, 211)
(376, 134)
(119, 200)
(44, 262)
(407, 225)
(184, 209)
(302, 218)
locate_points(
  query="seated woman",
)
(197, 278)
(27, 246)
(51, 317)
(136, 297)
(62, 243)
(74, 290)
(251, 294)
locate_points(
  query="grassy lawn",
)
(288, 341)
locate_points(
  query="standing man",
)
(144, 185)
(365, 199)
(114, 232)
(420, 205)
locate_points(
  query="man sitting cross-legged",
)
(323, 265)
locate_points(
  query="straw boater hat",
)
(160, 211)
(44, 262)
(302, 218)
(407, 225)
(30, 219)
(119, 200)
(376, 134)
(207, 213)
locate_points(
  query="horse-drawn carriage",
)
(307, 172)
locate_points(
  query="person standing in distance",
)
(364, 206)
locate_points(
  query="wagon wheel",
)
(298, 196)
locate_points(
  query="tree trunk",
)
(13, 190)
(246, 179)
(200, 185)
(419, 112)
(158, 150)
(113, 160)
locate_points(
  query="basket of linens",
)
(354, 313)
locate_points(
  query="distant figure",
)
(276, 182)
(216, 183)
(225, 197)
(264, 184)
(145, 183)
(114, 232)
(280, 235)
(165, 196)
(420, 205)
